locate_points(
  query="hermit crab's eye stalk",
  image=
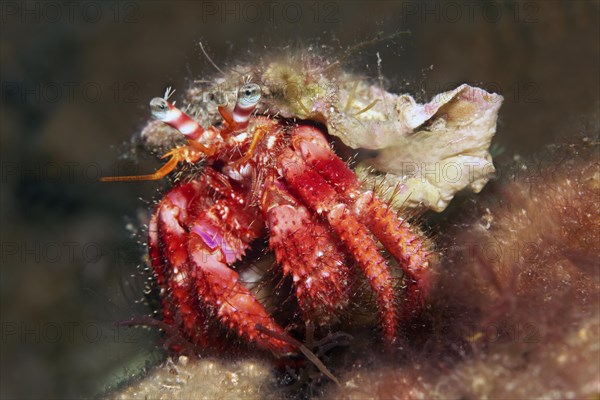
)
(248, 98)
(171, 115)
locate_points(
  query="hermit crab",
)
(274, 174)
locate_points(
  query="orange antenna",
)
(172, 116)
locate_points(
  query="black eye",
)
(249, 94)
(159, 105)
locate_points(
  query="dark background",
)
(76, 79)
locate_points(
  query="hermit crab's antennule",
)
(169, 114)
(247, 99)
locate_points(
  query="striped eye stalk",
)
(169, 114)
(248, 98)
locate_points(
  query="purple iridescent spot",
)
(208, 235)
(213, 240)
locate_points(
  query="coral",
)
(203, 379)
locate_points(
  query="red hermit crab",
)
(275, 176)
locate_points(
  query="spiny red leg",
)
(219, 287)
(198, 246)
(307, 250)
(394, 233)
(321, 197)
(158, 265)
(168, 256)
(180, 285)
(217, 237)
